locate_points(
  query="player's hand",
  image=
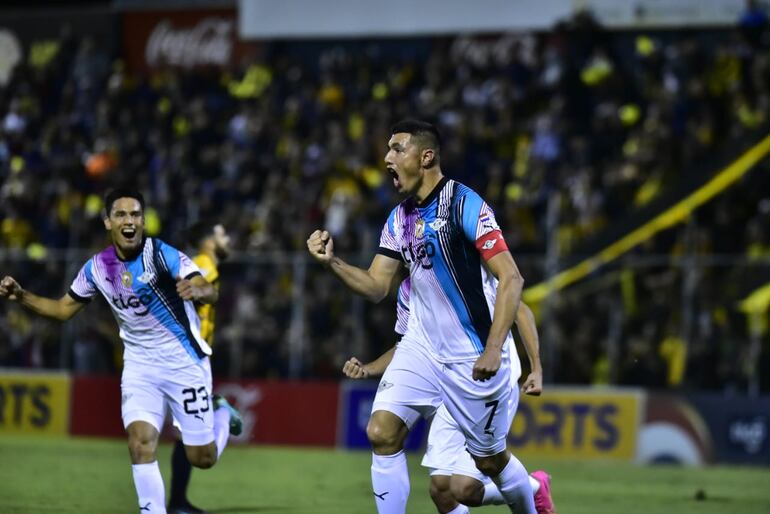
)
(321, 246)
(185, 289)
(353, 368)
(533, 385)
(487, 364)
(10, 289)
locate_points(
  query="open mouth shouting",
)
(129, 234)
(392, 172)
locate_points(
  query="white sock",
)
(460, 509)
(149, 488)
(492, 495)
(390, 480)
(513, 482)
(221, 429)
(534, 484)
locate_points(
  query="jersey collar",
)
(434, 193)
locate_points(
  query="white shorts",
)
(416, 384)
(149, 392)
(446, 453)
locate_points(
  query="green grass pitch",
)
(93, 476)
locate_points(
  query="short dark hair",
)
(427, 133)
(121, 192)
(199, 231)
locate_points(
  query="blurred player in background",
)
(151, 288)
(212, 244)
(455, 483)
(465, 290)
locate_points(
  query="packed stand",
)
(599, 124)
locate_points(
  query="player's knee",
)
(439, 487)
(441, 494)
(382, 437)
(142, 450)
(203, 460)
(202, 457)
(386, 433)
(469, 492)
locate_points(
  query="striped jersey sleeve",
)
(389, 245)
(480, 226)
(177, 263)
(83, 288)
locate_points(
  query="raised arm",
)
(373, 283)
(62, 309)
(525, 322)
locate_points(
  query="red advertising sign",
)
(283, 412)
(183, 39)
(274, 412)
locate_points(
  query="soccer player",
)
(150, 287)
(465, 290)
(212, 244)
(456, 484)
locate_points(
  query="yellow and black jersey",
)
(206, 311)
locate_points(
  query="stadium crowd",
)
(566, 133)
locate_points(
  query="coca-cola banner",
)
(183, 39)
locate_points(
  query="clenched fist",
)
(185, 289)
(10, 289)
(321, 246)
(487, 364)
(353, 368)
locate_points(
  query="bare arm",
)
(525, 322)
(509, 287)
(62, 309)
(353, 368)
(197, 289)
(373, 284)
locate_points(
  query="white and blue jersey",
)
(157, 327)
(444, 242)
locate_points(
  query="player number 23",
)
(191, 396)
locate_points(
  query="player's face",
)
(126, 224)
(221, 242)
(403, 163)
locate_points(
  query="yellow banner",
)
(675, 214)
(34, 403)
(577, 423)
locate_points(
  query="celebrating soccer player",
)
(212, 244)
(455, 482)
(150, 287)
(465, 292)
